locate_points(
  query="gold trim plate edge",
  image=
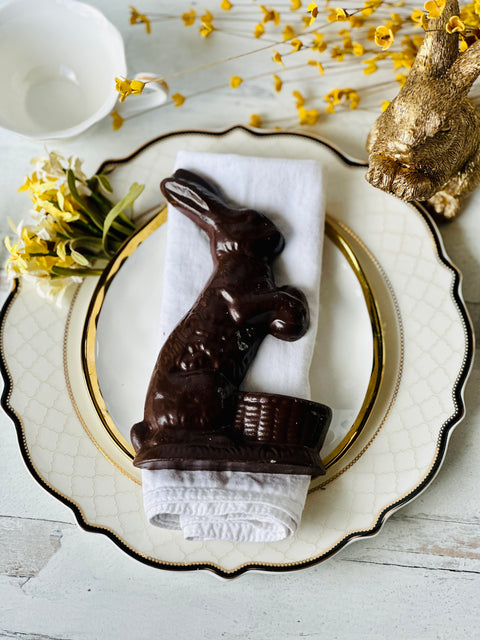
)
(336, 232)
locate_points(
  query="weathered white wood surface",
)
(418, 578)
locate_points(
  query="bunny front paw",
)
(407, 183)
(291, 318)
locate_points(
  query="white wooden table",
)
(418, 578)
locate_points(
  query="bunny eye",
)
(445, 128)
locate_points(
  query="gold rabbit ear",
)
(466, 69)
(439, 49)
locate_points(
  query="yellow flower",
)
(178, 99)
(189, 17)
(117, 120)
(72, 218)
(127, 87)
(337, 15)
(434, 8)
(278, 83)
(137, 86)
(235, 81)
(309, 117)
(417, 42)
(277, 58)
(296, 4)
(123, 87)
(319, 66)
(358, 49)
(401, 78)
(137, 18)
(455, 25)
(384, 37)
(207, 17)
(206, 29)
(356, 21)
(336, 96)
(347, 40)
(259, 30)
(371, 33)
(288, 32)
(255, 121)
(385, 104)
(226, 5)
(61, 249)
(353, 98)
(333, 96)
(337, 54)
(370, 7)
(396, 21)
(419, 17)
(313, 9)
(270, 15)
(296, 44)
(299, 98)
(318, 44)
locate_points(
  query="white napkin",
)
(237, 505)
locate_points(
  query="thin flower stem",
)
(243, 34)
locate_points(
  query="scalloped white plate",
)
(428, 354)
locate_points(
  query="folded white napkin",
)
(230, 505)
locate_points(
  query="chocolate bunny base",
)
(270, 434)
(195, 415)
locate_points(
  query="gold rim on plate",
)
(335, 232)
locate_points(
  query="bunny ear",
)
(182, 195)
(466, 69)
(194, 197)
(190, 176)
(439, 49)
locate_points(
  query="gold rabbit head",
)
(426, 145)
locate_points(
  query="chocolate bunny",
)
(191, 407)
(426, 145)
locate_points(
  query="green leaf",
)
(69, 272)
(79, 258)
(78, 198)
(126, 201)
(103, 181)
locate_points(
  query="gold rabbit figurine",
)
(426, 145)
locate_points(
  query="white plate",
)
(428, 349)
(117, 326)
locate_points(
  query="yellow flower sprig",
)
(337, 96)
(305, 116)
(397, 35)
(74, 229)
(455, 25)
(126, 87)
(384, 37)
(140, 18)
(434, 8)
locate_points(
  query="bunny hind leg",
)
(444, 205)
(447, 203)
